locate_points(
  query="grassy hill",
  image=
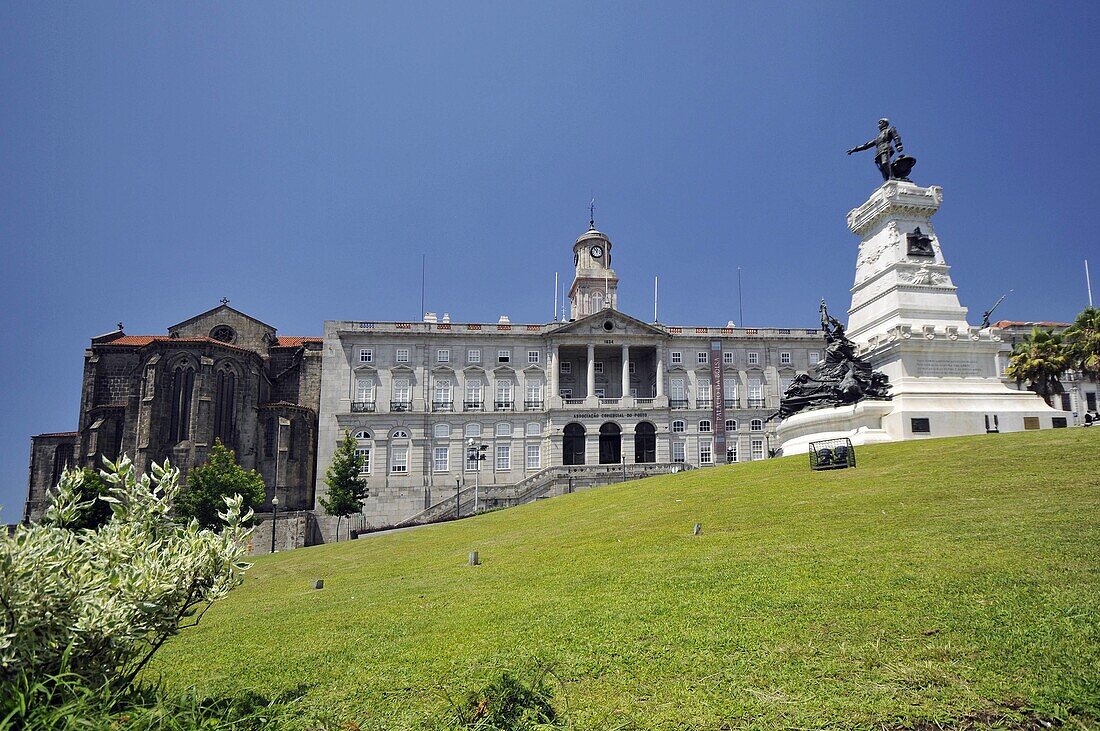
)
(940, 582)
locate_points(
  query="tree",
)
(93, 497)
(209, 484)
(97, 604)
(1040, 359)
(1082, 340)
(347, 489)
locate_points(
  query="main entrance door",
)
(645, 443)
(611, 441)
(572, 448)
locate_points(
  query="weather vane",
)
(592, 213)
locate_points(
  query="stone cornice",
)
(896, 199)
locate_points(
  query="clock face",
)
(596, 252)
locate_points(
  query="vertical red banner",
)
(718, 402)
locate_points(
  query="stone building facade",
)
(219, 375)
(602, 389)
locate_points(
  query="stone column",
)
(660, 372)
(553, 375)
(591, 371)
(626, 372)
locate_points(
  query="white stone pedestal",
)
(907, 322)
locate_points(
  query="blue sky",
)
(300, 159)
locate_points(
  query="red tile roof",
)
(1040, 323)
(295, 341)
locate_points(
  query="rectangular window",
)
(814, 356)
(504, 356)
(442, 393)
(632, 368)
(599, 366)
(704, 425)
(1090, 400)
(756, 393)
(364, 453)
(677, 451)
(706, 456)
(731, 451)
(504, 391)
(727, 357)
(677, 427)
(401, 390)
(533, 395)
(442, 459)
(366, 355)
(784, 358)
(729, 385)
(443, 355)
(534, 457)
(504, 457)
(566, 367)
(402, 355)
(473, 355)
(677, 357)
(754, 358)
(701, 357)
(533, 356)
(399, 459)
(473, 393)
(756, 449)
(731, 425)
(364, 390)
(702, 389)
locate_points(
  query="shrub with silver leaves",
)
(99, 603)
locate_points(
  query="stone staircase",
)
(545, 483)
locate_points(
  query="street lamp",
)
(475, 453)
(274, 517)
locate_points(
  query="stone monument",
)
(906, 321)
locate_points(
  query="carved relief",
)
(923, 276)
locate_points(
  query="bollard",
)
(319, 584)
(698, 529)
(473, 559)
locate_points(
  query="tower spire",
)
(592, 214)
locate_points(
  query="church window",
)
(701, 357)
(150, 382)
(223, 333)
(441, 431)
(441, 461)
(504, 457)
(756, 449)
(754, 357)
(706, 455)
(224, 406)
(597, 302)
(756, 425)
(179, 420)
(565, 367)
(504, 429)
(534, 457)
(599, 366)
(704, 425)
(473, 429)
(533, 356)
(534, 429)
(784, 358)
(443, 355)
(366, 355)
(677, 357)
(678, 452)
(473, 355)
(678, 427)
(402, 355)
(727, 357)
(504, 356)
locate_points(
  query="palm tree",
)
(1082, 339)
(1040, 359)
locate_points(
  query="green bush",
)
(92, 605)
(509, 704)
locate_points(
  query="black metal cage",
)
(832, 454)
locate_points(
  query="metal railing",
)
(504, 406)
(574, 402)
(678, 403)
(644, 401)
(443, 405)
(400, 405)
(609, 402)
(730, 403)
(362, 407)
(756, 403)
(473, 406)
(702, 403)
(534, 404)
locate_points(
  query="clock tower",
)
(595, 284)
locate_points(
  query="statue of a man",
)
(883, 151)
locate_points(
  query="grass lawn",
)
(939, 581)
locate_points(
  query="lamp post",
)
(274, 517)
(475, 453)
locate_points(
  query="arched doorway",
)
(572, 446)
(645, 443)
(611, 441)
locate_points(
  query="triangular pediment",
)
(621, 324)
(214, 314)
